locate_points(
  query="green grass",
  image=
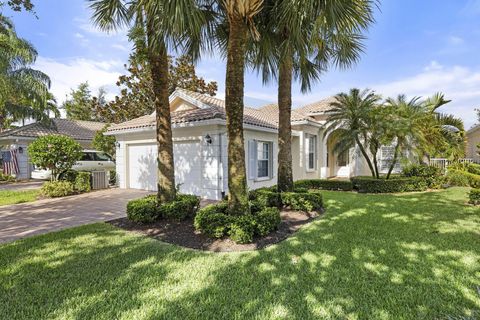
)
(13, 197)
(412, 256)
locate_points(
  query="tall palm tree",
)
(23, 90)
(301, 39)
(164, 25)
(351, 113)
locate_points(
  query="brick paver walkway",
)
(43, 216)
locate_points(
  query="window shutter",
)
(307, 147)
(252, 159)
(273, 160)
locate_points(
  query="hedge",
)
(147, 210)
(182, 207)
(397, 184)
(55, 189)
(82, 182)
(433, 176)
(323, 184)
(242, 229)
(474, 197)
(267, 221)
(303, 201)
(463, 178)
(213, 220)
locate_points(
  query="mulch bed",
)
(183, 233)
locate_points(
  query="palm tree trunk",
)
(234, 90)
(285, 175)
(158, 61)
(395, 159)
(365, 155)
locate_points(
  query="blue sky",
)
(415, 47)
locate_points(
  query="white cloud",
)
(68, 74)
(459, 84)
(455, 41)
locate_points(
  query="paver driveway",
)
(26, 219)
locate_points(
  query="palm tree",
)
(157, 26)
(351, 113)
(300, 39)
(23, 90)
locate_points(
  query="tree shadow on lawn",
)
(369, 257)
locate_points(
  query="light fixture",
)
(20, 149)
(117, 144)
(208, 139)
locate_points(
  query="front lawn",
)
(14, 197)
(411, 256)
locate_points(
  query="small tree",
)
(54, 152)
(104, 143)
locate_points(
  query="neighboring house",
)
(19, 138)
(200, 147)
(473, 140)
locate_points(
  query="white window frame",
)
(309, 138)
(269, 159)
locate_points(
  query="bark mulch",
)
(183, 233)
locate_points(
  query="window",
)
(387, 154)
(263, 159)
(342, 159)
(87, 156)
(312, 152)
(102, 156)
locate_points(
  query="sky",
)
(415, 48)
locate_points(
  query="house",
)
(200, 146)
(473, 140)
(19, 138)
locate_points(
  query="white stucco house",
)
(473, 140)
(200, 147)
(19, 138)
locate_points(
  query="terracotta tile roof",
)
(215, 110)
(79, 130)
(317, 107)
(272, 112)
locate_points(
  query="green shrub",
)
(82, 182)
(468, 167)
(55, 189)
(184, 206)
(242, 229)
(112, 178)
(323, 184)
(69, 175)
(212, 220)
(267, 221)
(432, 175)
(263, 198)
(307, 201)
(143, 210)
(463, 179)
(7, 178)
(474, 197)
(397, 184)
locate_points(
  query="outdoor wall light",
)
(20, 150)
(208, 139)
(117, 144)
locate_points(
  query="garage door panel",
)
(143, 167)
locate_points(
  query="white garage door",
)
(188, 167)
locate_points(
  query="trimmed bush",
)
(306, 201)
(143, 210)
(184, 206)
(56, 189)
(322, 184)
(212, 220)
(397, 184)
(474, 197)
(263, 198)
(432, 175)
(267, 221)
(82, 182)
(463, 179)
(242, 229)
(468, 167)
